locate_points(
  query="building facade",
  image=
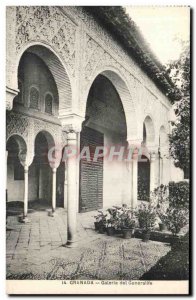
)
(70, 83)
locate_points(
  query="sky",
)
(162, 27)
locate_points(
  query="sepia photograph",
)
(98, 150)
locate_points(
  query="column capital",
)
(26, 168)
(54, 169)
(72, 135)
(26, 158)
(71, 124)
(135, 154)
(153, 155)
(152, 148)
(134, 142)
(164, 151)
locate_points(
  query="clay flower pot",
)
(96, 226)
(127, 233)
(162, 227)
(110, 231)
(146, 235)
(101, 228)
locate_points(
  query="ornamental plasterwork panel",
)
(147, 101)
(17, 124)
(96, 58)
(28, 128)
(109, 45)
(49, 24)
(105, 41)
(10, 45)
(54, 130)
(97, 32)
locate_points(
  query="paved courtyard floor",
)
(35, 250)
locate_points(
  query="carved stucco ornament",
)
(47, 24)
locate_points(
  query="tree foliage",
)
(179, 71)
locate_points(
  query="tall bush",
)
(179, 194)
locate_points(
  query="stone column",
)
(152, 171)
(160, 169)
(65, 187)
(54, 163)
(26, 158)
(72, 124)
(127, 187)
(72, 191)
(134, 150)
(26, 181)
(130, 170)
(134, 178)
(53, 190)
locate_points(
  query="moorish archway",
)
(44, 94)
(16, 149)
(104, 125)
(40, 171)
(57, 69)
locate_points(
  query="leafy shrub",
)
(112, 219)
(176, 219)
(146, 215)
(120, 217)
(160, 198)
(127, 220)
(160, 194)
(101, 217)
(179, 194)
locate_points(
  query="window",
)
(48, 103)
(18, 172)
(34, 98)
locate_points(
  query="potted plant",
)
(96, 223)
(100, 222)
(162, 217)
(146, 215)
(127, 223)
(128, 228)
(112, 221)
